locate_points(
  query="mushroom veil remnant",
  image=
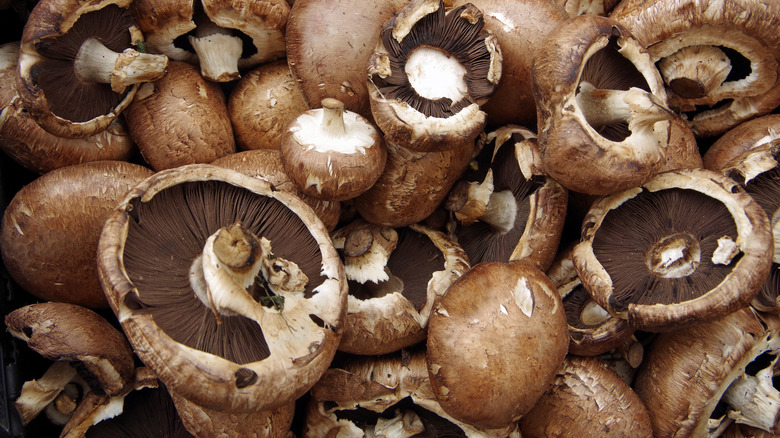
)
(230, 290)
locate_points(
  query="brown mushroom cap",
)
(495, 341)
(686, 246)
(587, 399)
(602, 121)
(51, 227)
(740, 139)
(222, 336)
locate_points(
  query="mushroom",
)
(496, 339)
(180, 119)
(505, 206)
(395, 276)
(429, 74)
(686, 246)
(603, 124)
(22, 139)
(75, 52)
(582, 7)
(697, 381)
(587, 399)
(225, 37)
(719, 61)
(51, 227)
(263, 103)
(81, 342)
(228, 289)
(266, 164)
(332, 153)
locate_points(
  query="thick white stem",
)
(333, 118)
(218, 52)
(603, 107)
(501, 211)
(96, 63)
(754, 401)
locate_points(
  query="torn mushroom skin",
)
(223, 37)
(86, 53)
(702, 250)
(395, 276)
(603, 124)
(737, 353)
(429, 74)
(230, 290)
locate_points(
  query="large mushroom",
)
(230, 290)
(86, 53)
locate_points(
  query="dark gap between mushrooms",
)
(169, 232)
(66, 94)
(631, 231)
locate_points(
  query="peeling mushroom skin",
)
(51, 227)
(495, 341)
(603, 124)
(719, 58)
(702, 250)
(247, 311)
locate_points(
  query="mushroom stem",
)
(695, 71)
(333, 117)
(603, 107)
(97, 63)
(754, 401)
(218, 51)
(501, 211)
(37, 394)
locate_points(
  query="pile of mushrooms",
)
(409, 218)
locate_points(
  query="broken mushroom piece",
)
(332, 153)
(230, 290)
(51, 227)
(496, 339)
(79, 66)
(686, 246)
(81, 342)
(22, 139)
(587, 399)
(719, 64)
(225, 37)
(603, 124)
(698, 381)
(387, 395)
(743, 138)
(394, 277)
(429, 74)
(505, 207)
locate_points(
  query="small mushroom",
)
(686, 246)
(229, 290)
(51, 227)
(429, 74)
(496, 339)
(332, 153)
(86, 53)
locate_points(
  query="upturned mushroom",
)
(51, 227)
(603, 123)
(496, 339)
(430, 72)
(719, 60)
(86, 53)
(686, 246)
(331, 153)
(229, 290)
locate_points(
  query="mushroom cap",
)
(744, 30)
(22, 139)
(274, 354)
(263, 103)
(266, 164)
(702, 250)
(495, 341)
(76, 334)
(740, 139)
(180, 119)
(684, 376)
(41, 50)
(587, 399)
(520, 27)
(585, 157)
(52, 225)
